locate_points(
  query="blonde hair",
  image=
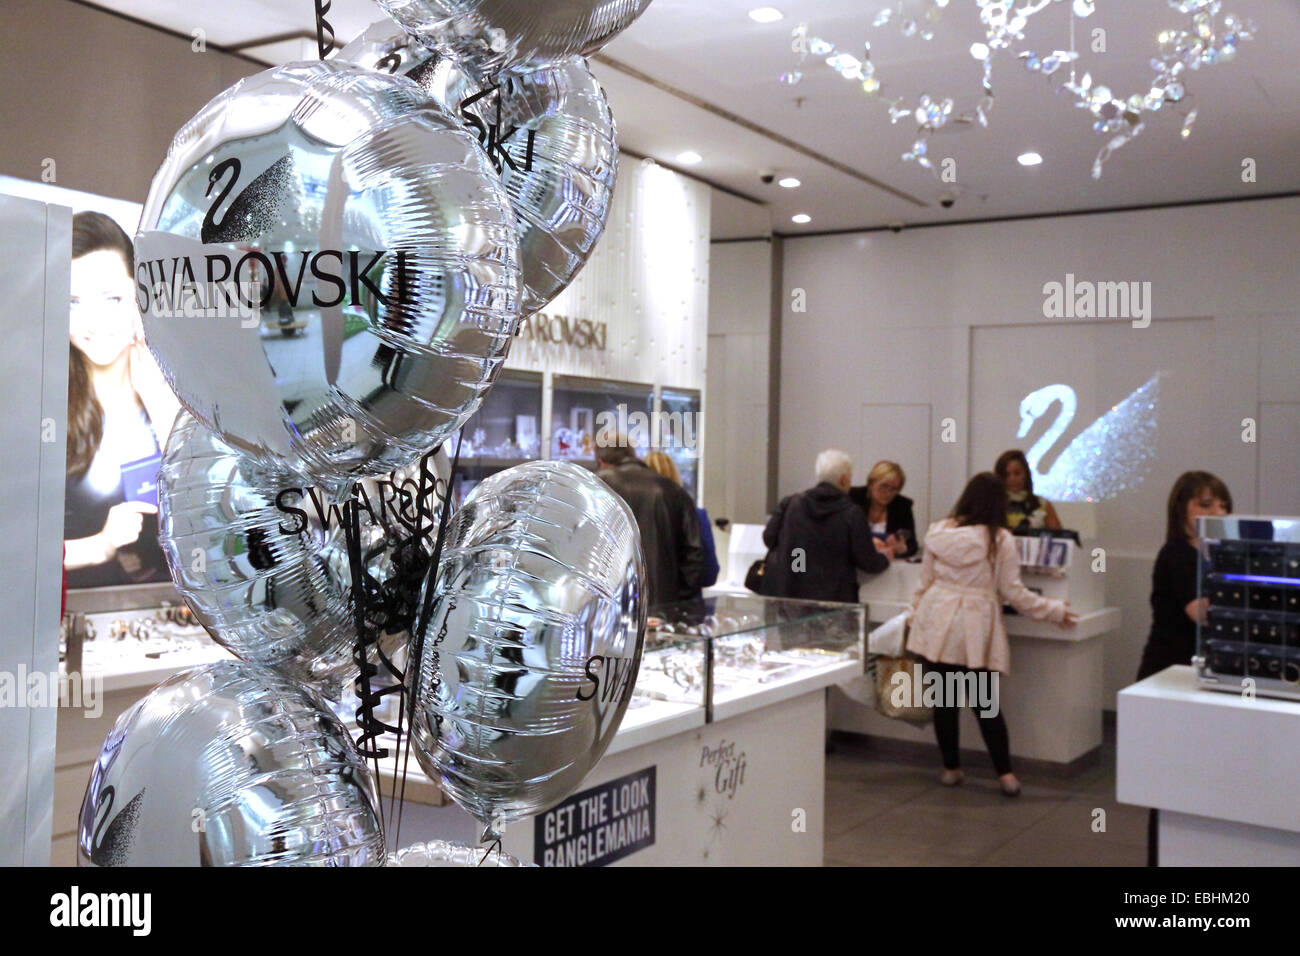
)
(882, 470)
(660, 462)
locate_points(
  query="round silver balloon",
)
(533, 648)
(550, 134)
(265, 568)
(492, 35)
(327, 271)
(442, 853)
(230, 764)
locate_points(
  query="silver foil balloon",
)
(492, 35)
(442, 853)
(532, 652)
(327, 271)
(264, 566)
(230, 764)
(550, 134)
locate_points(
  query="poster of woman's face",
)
(120, 408)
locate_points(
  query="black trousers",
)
(946, 728)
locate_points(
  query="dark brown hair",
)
(91, 232)
(1188, 486)
(984, 501)
(1000, 468)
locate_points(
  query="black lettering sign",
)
(598, 826)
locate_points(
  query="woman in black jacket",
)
(888, 513)
(1175, 608)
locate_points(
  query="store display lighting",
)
(1029, 159)
(801, 218)
(766, 15)
(789, 183)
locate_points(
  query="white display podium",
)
(1222, 769)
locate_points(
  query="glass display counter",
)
(719, 651)
(678, 433)
(1249, 571)
(505, 431)
(577, 406)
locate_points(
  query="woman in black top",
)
(1175, 608)
(888, 512)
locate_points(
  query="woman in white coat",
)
(970, 569)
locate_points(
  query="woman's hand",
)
(1198, 609)
(123, 525)
(1070, 619)
(884, 547)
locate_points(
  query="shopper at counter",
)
(1175, 608)
(1024, 508)
(970, 569)
(889, 513)
(819, 538)
(662, 464)
(665, 514)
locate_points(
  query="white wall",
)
(891, 319)
(740, 311)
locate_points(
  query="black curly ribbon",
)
(324, 45)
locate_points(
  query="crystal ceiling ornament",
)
(1204, 40)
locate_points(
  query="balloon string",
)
(495, 845)
(415, 658)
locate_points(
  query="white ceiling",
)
(685, 62)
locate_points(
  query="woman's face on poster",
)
(104, 321)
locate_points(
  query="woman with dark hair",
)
(1024, 508)
(970, 569)
(120, 412)
(1175, 608)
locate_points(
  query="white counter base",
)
(1223, 770)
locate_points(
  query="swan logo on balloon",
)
(1110, 456)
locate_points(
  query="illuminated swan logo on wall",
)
(1110, 456)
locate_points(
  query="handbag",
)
(754, 576)
(899, 699)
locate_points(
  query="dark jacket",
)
(898, 516)
(709, 573)
(1173, 587)
(835, 540)
(670, 531)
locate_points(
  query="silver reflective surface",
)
(442, 853)
(265, 566)
(558, 161)
(492, 35)
(532, 652)
(230, 764)
(367, 250)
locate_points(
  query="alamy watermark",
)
(638, 429)
(1084, 299)
(36, 689)
(206, 300)
(929, 688)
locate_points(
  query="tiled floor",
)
(887, 810)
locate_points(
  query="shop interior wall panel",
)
(35, 243)
(900, 433)
(1279, 457)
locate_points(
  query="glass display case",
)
(677, 433)
(1249, 571)
(715, 651)
(505, 431)
(580, 407)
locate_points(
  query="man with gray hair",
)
(819, 537)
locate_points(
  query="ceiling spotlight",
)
(1029, 159)
(689, 158)
(790, 183)
(766, 15)
(979, 51)
(801, 218)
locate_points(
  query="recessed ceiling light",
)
(979, 51)
(790, 183)
(689, 158)
(801, 218)
(1029, 159)
(766, 14)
